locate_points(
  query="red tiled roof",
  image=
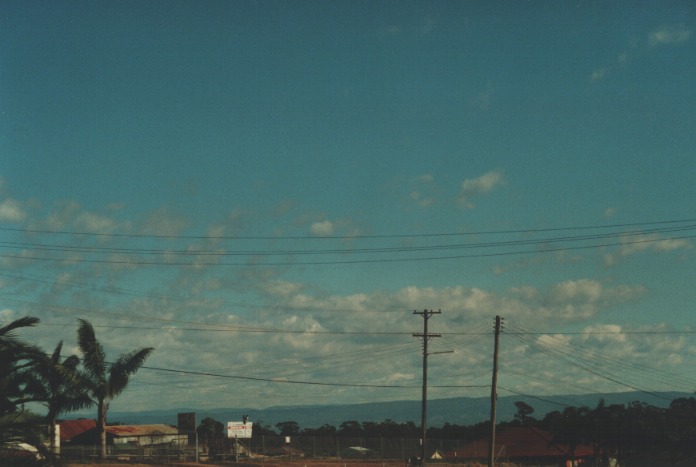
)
(71, 428)
(516, 442)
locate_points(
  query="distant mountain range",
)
(456, 411)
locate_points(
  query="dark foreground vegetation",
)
(633, 434)
(30, 376)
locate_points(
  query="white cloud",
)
(572, 300)
(6, 316)
(476, 187)
(323, 228)
(11, 211)
(604, 333)
(669, 35)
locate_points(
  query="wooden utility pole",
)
(424, 403)
(494, 394)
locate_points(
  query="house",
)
(85, 432)
(142, 435)
(524, 445)
(69, 429)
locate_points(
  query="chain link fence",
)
(262, 448)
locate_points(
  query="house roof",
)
(141, 430)
(519, 442)
(71, 428)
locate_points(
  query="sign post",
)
(238, 430)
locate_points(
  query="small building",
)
(85, 432)
(70, 429)
(144, 435)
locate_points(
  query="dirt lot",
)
(344, 463)
(260, 464)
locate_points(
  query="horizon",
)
(474, 410)
(269, 192)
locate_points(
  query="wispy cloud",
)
(477, 187)
(323, 228)
(668, 35)
(11, 211)
(423, 191)
(633, 245)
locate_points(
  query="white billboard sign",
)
(239, 429)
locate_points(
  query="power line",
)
(342, 251)
(350, 261)
(363, 250)
(308, 383)
(344, 237)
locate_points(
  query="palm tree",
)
(58, 384)
(16, 358)
(105, 380)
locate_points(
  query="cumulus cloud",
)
(669, 35)
(604, 333)
(477, 187)
(70, 215)
(567, 301)
(572, 300)
(322, 229)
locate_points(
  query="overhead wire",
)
(593, 366)
(617, 364)
(546, 244)
(330, 237)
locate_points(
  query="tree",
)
(288, 428)
(16, 357)
(524, 412)
(324, 430)
(350, 428)
(58, 385)
(105, 381)
(210, 431)
(261, 429)
(574, 428)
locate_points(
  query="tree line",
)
(30, 376)
(635, 432)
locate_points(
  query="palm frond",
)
(8, 331)
(126, 365)
(93, 356)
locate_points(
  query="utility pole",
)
(424, 403)
(494, 393)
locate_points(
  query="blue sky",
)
(269, 189)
